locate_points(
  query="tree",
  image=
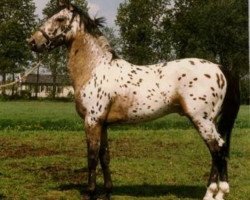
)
(56, 59)
(113, 39)
(141, 29)
(215, 30)
(17, 19)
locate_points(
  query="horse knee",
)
(215, 145)
(210, 135)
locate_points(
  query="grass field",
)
(43, 156)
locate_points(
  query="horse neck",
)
(84, 55)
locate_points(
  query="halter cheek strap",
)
(61, 36)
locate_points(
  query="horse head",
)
(61, 27)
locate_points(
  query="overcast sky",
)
(105, 8)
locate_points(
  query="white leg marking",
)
(211, 191)
(223, 189)
(219, 139)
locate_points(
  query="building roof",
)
(45, 79)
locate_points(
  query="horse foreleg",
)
(93, 134)
(105, 160)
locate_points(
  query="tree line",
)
(149, 31)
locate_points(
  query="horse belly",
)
(147, 113)
(128, 112)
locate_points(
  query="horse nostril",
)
(32, 43)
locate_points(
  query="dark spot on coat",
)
(159, 71)
(203, 61)
(205, 115)
(223, 81)
(218, 80)
(207, 75)
(165, 64)
(192, 62)
(76, 51)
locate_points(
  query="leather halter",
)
(60, 37)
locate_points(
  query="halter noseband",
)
(61, 36)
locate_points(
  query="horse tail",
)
(230, 108)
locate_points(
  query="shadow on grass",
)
(180, 191)
(2, 197)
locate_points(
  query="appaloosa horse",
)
(110, 90)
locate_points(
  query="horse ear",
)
(63, 3)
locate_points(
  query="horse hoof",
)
(208, 198)
(89, 197)
(106, 196)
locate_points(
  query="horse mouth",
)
(34, 47)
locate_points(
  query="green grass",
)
(62, 116)
(45, 160)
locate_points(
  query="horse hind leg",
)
(218, 173)
(215, 143)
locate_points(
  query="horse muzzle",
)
(34, 46)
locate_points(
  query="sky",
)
(99, 8)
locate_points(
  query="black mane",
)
(93, 26)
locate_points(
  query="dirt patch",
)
(22, 151)
(123, 147)
(60, 173)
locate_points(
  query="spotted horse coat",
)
(109, 90)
